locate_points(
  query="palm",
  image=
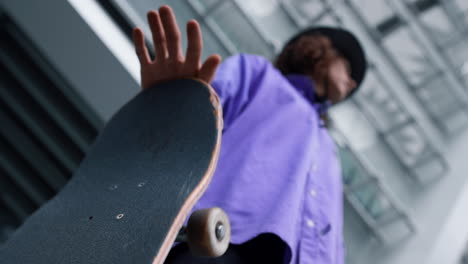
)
(169, 62)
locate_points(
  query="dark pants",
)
(265, 248)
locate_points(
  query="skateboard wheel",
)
(208, 232)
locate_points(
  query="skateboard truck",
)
(207, 233)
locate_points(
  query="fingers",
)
(159, 37)
(169, 62)
(208, 69)
(140, 46)
(194, 46)
(172, 32)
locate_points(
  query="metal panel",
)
(45, 130)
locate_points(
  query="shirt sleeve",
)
(236, 82)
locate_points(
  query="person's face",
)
(340, 83)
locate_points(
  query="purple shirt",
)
(278, 170)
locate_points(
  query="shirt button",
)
(321, 123)
(310, 223)
(326, 230)
(314, 167)
(313, 193)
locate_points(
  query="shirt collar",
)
(305, 86)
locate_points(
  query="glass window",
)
(458, 56)
(307, 10)
(462, 5)
(386, 111)
(359, 131)
(238, 30)
(409, 145)
(442, 104)
(438, 25)
(380, 13)
(352, 172)
(409, 55)
(272, 19)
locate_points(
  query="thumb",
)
(208, 69)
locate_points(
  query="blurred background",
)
(67, 66)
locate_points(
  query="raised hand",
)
(169, 62)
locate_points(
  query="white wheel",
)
(208, 232)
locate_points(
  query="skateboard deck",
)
(131, 194)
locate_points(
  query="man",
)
(278, 176)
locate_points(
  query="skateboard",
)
(129, 198)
